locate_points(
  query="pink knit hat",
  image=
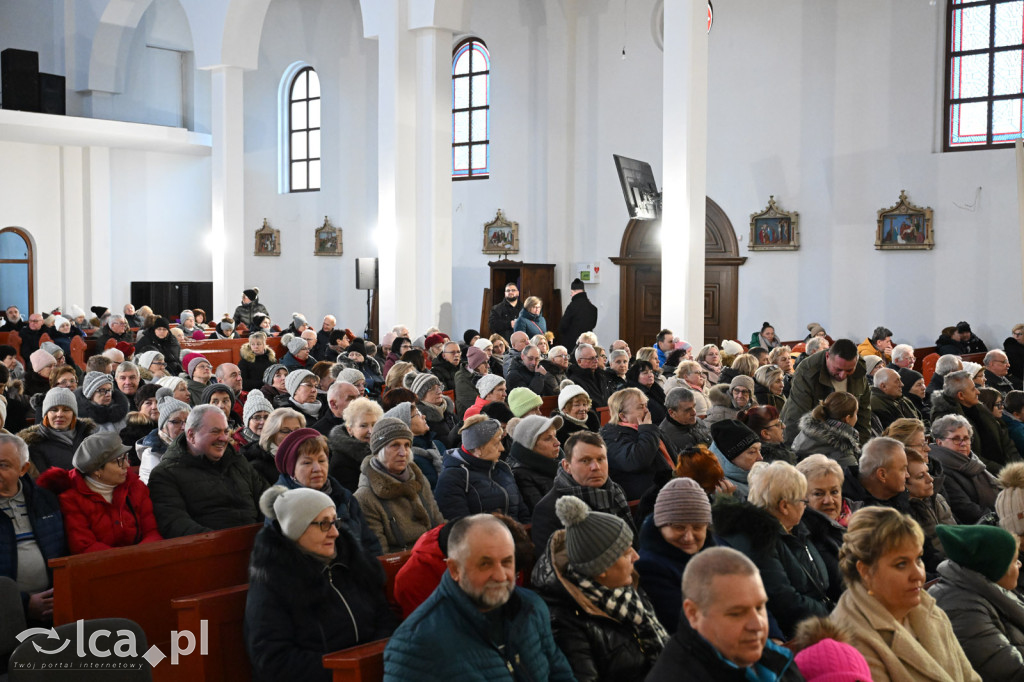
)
(40, 360)
(832, 661)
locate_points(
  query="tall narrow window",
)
(304, 132)
(471, 110)
(984, 73)
(16, 270)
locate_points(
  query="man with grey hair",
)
(527, 371)
(127, 377)
(339, 395)
(997, 372)
(557, 363)
(201, 483)
(725, 605)
(880, 477)
(517, 343)
(31, 533)
(230, 375)
(492, 631)
(887, 401)
(903, 356)
(586, 373)
(116, 328)
(991, 441)
(447, 363)
(815, 344)
(681, 430)
(944, 366)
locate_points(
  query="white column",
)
(414, 203)
(684, 154)
(227, 239)
(72, 228)
(97, 215)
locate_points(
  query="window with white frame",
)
(304, 131)
(471, 110)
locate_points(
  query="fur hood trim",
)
(139, 419)
(248, 355)
(719, 395)
(56, 480)
(817, 629)
(735, 517)
(32, 436)
(837, 439)
(1012, 475)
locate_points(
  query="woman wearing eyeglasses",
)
(769, 529)
(104, 503)
(169, 425)
(970, 489)
(98, 401)
(311, 589)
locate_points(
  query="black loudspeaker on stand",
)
(366, 278)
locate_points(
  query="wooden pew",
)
(78, 350)
(139, 582)
(13, 339)
(928, 367)
(604, 414)
(363, 663)
(548, 405)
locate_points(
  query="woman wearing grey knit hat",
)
(393, 493)
(99, 401)
(438, 408)
(601, 618)
(474, 480)
(535, 456)
(255, 413)
(170, 424)
(669, 538)
(302, 394)
(274, 382)
(312, 589)
(52, 442)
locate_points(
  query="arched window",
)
(304, 132)
(984, 73)
(16, 270)
(471, 110)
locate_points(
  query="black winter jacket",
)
(46, 452)
(580, 316)
(598, 648)
(298, 608)
(534, 474)
(593, 381)
(445, 371)
(253, 366)
(167, 346)
(634, 457)
(194, 495)
(661, 567)
(260, 460)
(470, 485)
(347, 455)
(518, 375)
(502, 317)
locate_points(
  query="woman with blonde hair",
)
(530, 320)
(710, 359)
(743, 364)
(769, 529)
(689, 374)
(649, 354)
(397, 373)
(894, 622)
(636, 453)
(829, 429)
(350, 442)
(1013, 346)
(769, 383)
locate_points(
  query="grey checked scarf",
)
(625, 605)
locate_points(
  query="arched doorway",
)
(16, 275)
(639, 262)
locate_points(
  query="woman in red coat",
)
(104, 504)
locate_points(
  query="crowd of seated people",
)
(676, 513)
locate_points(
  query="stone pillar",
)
(414, 197)
(97, 217)
(684, 154)
(227, 234)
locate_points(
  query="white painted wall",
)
(328, 35)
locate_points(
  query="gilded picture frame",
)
(774, 229)
(268, 241)
(327, 240)
(904, 226)
(501, 235)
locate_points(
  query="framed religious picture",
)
(904, 226)
(268, 241)
(327, 240)
(501, 235)
(774, 229)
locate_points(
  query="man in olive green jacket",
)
(838, 368)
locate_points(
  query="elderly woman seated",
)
(738, 449)
(829, 429)
(466, 378)
(574, 408)
(600, 617)
(891, 620)
(769, 529)
(971, 490)
(769, 382)
(977, 590)
(535, 456)
(928, 507)
(301, 461)
(312, 590)
(394, 494)
(350, 442)
(101, 403)
(104, 503)
(274, 382)
(618, 366)
(53, 442)
(690, 375)
(637, 457)
(170, 424)
(261, 453)
(474, 480)
(643, 377)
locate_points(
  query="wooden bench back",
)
(139, 582)
(13, 339)
(548, 405)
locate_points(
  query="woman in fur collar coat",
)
(829, 429)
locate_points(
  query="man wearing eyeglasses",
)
(446, 363)
(31, 334)
(116, 328)
(586, 374)
(887, 401)
(504, 314)
(997, 372)
(989, 441)
(201, 483)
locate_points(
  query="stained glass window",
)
(985, 73)
(304, 132)
(471, 110)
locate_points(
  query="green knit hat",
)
(521, 400)
(989, 550)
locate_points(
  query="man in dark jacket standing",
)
(579, 316)
(724, 635)
(504, 315)
(202, 484)
(837, 369)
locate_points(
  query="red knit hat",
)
(288, 450)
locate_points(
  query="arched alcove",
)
(639, 262)
(17, 278)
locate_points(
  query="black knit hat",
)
(251, 294)
(216, 388)
(469, 335)
(359, 346)
(577, 285)
(909, 377)
(497, 410)
(732, 437)
(145, 392)
(161, 322)
(962, 327)
(98, 310)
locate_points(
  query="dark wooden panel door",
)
(644, 305)
(719, 303)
